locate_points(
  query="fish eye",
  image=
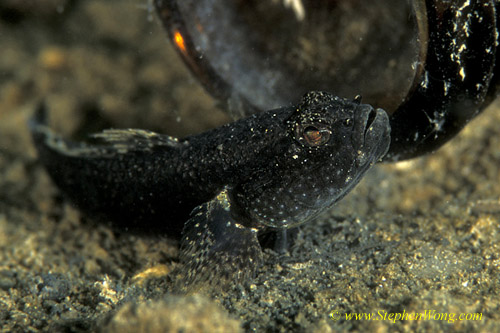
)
(315, 136)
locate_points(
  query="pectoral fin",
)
(216, 249)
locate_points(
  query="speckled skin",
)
(275, 169)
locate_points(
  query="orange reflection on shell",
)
(179, 41)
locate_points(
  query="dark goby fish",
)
(220, 189)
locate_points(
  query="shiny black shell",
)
(446, 77)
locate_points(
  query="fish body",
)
(221, 188)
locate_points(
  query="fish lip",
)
(374, 138)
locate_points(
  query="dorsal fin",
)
(107, 142)
(136, 139)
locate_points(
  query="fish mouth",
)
(375, 135)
